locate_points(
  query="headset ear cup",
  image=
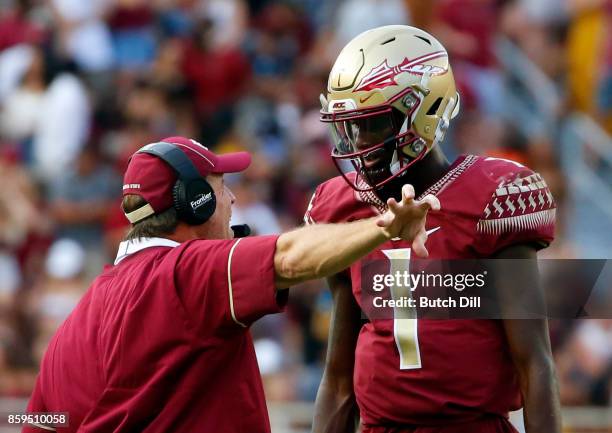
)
(179, 200)
(202, 201)
(195, 202)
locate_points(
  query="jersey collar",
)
(132, 246)
(461, 164)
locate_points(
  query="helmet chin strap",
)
(396, 164)
(399, 158)
(416, 147)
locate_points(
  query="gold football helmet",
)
(390, 97)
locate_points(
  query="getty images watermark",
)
(401, 287)
(401, 281)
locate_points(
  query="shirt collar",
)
(132, 246)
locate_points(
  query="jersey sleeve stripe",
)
(308, 220)
(229, 284)
(531, 221)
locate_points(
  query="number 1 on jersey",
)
(405, 322)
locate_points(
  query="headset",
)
(192, 196)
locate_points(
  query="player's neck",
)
(421, 176)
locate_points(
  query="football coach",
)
(160, 342)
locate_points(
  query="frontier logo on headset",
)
(201, 200)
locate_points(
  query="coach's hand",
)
(406, 219)
(320, 250)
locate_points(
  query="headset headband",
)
(175, 158)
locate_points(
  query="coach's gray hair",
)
(156, 225)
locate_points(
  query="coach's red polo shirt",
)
(160, 341)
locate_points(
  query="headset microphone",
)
(241, 230)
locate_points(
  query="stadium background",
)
(83, 84)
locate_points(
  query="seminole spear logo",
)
(384, 75)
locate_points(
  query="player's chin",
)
(376, 175)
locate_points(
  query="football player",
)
(390, 98)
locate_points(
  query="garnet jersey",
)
(456, 370)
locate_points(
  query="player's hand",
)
(406, 219)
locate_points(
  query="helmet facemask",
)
(378, 142)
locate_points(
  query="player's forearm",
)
(541, 397)
(321, 250)
(335, 411)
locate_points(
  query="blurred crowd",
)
(83, 84)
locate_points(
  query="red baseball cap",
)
(151, 178)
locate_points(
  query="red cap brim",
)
(232, 162)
